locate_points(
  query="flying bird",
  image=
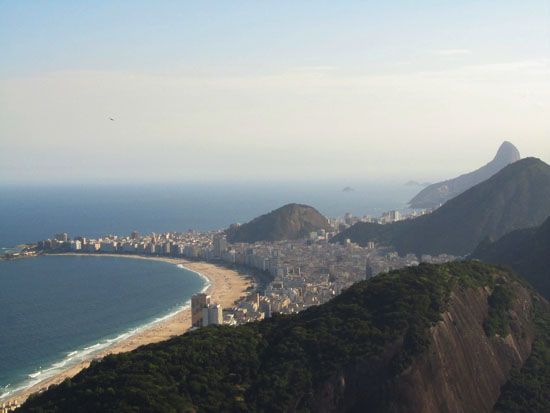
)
(112, 119)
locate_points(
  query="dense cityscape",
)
(288, 276)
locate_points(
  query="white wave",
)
(205, 278)
(87, 353)
(96, 345)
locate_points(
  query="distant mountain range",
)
(422, 339)
(526, 251)
(439, 193)
(516, 197)
(416, 183)
(292, 221)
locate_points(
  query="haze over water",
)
(29, 214)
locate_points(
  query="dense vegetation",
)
(278, 364)
(526, 251)
(500, 303)
(440, 192)
(291, 221)
(528, 389)
(516, 197)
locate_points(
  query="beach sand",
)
(226, 287)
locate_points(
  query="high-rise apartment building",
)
(198, 302)
(220, 245)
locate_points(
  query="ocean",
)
(55, 311)
(28, 214)
(58, 310)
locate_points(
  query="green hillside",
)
(526, 251)
(439, 193)
(516, 197)
(291, 221)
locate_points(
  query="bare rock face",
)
(464, 369)
(439, 193)
(461, 371)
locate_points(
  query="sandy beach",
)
(226, 287)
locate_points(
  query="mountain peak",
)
(439, 193)
(518, 196)
(507, 153)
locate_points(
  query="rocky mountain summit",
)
(439, 193)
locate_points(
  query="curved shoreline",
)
(225, 287)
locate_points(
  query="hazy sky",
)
(258, 90)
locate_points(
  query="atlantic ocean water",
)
(57, 310)
(28, 214)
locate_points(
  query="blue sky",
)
(286, 82)
(167, 36)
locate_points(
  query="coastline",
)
(226, 286)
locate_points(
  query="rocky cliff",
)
(461, 371)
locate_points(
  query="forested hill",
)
(291, 221)
(516, 197)
(526, 251)
(401, 341)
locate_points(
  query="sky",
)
(268, 90)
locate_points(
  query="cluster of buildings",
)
(189, 245)
(205, 313)
(301, 273)
(388, 217)
(306, 273)
(9, 406)
(19, 254)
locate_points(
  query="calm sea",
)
(57, 310)
(54, 311)
(28, 214)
